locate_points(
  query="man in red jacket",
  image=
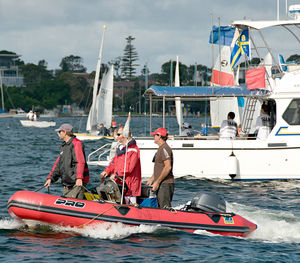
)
(133, 177)
(70, 165)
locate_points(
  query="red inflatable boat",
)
(27, 205)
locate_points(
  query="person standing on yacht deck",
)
(162, 180)
(229, 129)
(263, 123)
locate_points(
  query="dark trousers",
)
(73, 192)
(165, 195)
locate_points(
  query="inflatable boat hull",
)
(27, 205)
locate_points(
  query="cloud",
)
(53, 29)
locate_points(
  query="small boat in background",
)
(48, 114)
(91, 137)
(101, 108)
(38, 124)
(13, 113)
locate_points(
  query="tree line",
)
(45, 89)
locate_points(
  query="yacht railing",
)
(109, 150)
(105, 149)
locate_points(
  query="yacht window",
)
(292, 113)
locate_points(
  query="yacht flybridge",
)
(244, 158)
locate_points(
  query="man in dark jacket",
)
(70, 165)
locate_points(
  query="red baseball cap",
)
(160, 131)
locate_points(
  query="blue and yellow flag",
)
(241, 46)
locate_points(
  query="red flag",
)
(255, 78)
(222, 78)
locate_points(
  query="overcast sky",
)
(53, 29)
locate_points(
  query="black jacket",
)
(70, 164)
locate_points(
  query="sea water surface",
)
(27, 156)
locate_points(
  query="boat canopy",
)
(203, 91)
(264, 24)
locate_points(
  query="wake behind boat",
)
(37, 124)
(206, 212)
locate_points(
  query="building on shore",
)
(9, 70)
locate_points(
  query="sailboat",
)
(101, 109)
(19, 113)
(15, 113)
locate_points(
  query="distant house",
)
(122, 87)
(9, 71)
(85, 75)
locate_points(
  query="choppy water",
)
(27, 155)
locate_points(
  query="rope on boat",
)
(94, 218)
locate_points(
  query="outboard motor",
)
(109, 191)
(208, 202)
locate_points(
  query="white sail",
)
(178, 100)
(237, 76)
(223, 76)
(220, 108)
(267, 63)
(177, 80)
(178, 107)
(126, 129)
(92, 118)
(2, 96)
(104, 100)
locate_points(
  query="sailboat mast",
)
(212, 53)
(177, 80)
(2, 96)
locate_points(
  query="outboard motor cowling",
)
(109, 190)
(208, 202)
